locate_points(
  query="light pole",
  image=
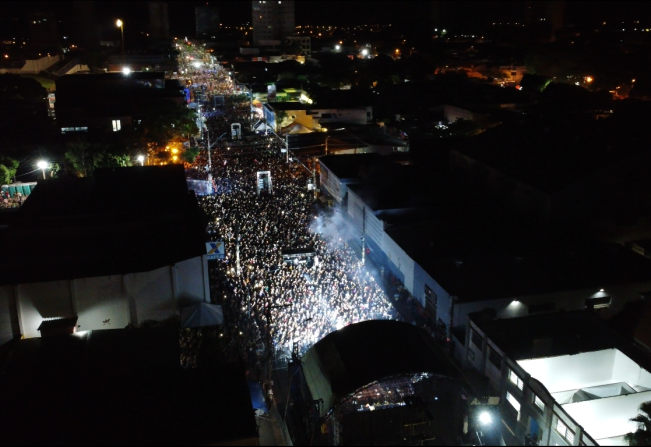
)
(120, 24)
(43, 165)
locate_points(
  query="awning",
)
(202, 315)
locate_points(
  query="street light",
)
(43, 165)
(120, 24)
(141, 159)
(485, 418)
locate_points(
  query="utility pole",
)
(209, 157)
(237, 253)
(364, 236)
(316, 194)
(326, 144)
(287, 146)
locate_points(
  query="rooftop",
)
(550, 155)
(124, 220)
(349, 166)
(120, 387)
(488, 259)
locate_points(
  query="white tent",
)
(296, 128)
(202, 315)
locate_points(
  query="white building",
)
(565, 378)
(121, 248)
(272, 20)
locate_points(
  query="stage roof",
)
(360, 354)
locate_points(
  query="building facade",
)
(206, 21)
(159, 21)
(272, 20)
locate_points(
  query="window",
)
(516, 380)
(431, 301)
(117, 125)
(476, 338)
(598, 303)
(539, 403)
(514, 403)
(74, 129)
(495, 359)
(564, 431)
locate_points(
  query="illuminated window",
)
(564, 431)
(514, 403)
(117, 125)
(516, 380)
(539, 403)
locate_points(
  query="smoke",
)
(334, 227)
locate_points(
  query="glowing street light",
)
(141, 159)
(126, 71)
(120, 24)
(364, 52)
(338, 47)
(43, 165)
(485, 418)
(589, 79)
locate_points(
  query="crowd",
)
(266, 300)
(6, 201)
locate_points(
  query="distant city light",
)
(197, 64)
(364, 52)
(337, 47)
(126, 71)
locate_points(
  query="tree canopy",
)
(8, 168)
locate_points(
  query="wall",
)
(153, 294)
(567, 300)
(331, 183)
(190, 284)
(399, 262)
(607, 418)
(41, 301)
(8, 318)
(100, 303)
(39, 65)
(356, 210)
(107, 302)
(626, 370)
(570, 372)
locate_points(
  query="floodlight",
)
(485, 418)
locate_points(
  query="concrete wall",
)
(570, 372)
(108, 302)
(40, 301)
(8, 317)
(399, 262)
(100, 303)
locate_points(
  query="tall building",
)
(159, 21)
(44, 31)
(438, 17)
(206, 20)
(273, 20)
(545, 14)
(87, 33)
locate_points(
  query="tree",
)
(85, 155)
(8, 168)
(190, 154)
(643, 420)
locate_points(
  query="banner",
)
(264, 182)
(215, 250)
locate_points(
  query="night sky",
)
(340, 13)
